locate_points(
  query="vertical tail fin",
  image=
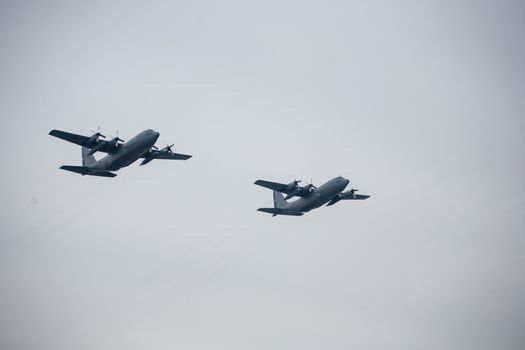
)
(278, 200)
(87, 159)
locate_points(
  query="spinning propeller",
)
(93, 139)
(154, 152)
(310, 187)
(296, 182)
(115, 140)
(167, 149)
(94, 142)
(294, 185)
(353, 191)
(97, 133)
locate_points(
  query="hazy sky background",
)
(419, 103)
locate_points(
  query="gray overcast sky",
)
(419, 103)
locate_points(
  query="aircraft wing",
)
(165, 155)
(174, 156)
(273, 186)
(84, 141)
(355, 197)
(346, 196)
(74, 138)
(284, 188)
(277, 211)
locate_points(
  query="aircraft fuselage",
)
(320, 196)
(127, 153)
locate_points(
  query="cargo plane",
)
(119, 153)
(311, 197)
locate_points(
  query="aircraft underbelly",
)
(323, 197)
(125, 158)
(312, 202)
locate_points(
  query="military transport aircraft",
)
(311, 197)
(119, 153)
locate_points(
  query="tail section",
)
(279, 203)
(278, 200)
(87, 159)
(276, 211)
(84, 170)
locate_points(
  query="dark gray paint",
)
(119, 154)
(420, 102)
(311, 197)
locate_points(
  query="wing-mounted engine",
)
(154, 151)
(113, 144)
(165, 153)
(294, 190)
(348, 195)
(104, 145)
(94, 139)
(308, 188)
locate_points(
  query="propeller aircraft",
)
(311, 197)
(119, 153)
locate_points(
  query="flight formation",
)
(120, 154)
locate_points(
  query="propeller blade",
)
(118, 138)
(97, 133)
(295, 181)
(167, 148)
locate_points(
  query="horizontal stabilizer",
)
(277, 211)
(356, 197)
(102, 174)
(84, 170)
